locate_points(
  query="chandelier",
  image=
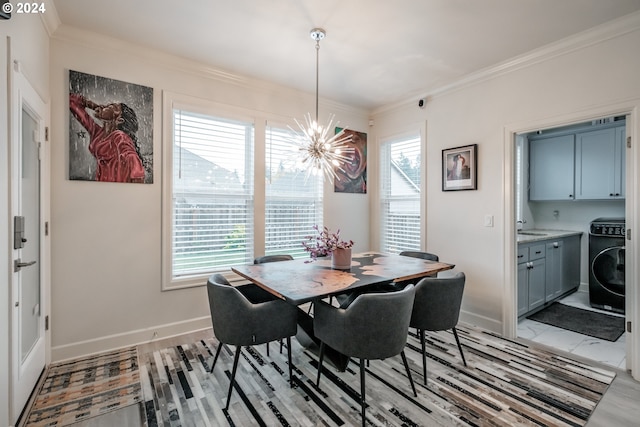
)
(318, 151)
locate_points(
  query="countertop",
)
(535, 235)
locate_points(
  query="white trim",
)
(117, 47)
(484, 322)
(582, 40)
(130, 338)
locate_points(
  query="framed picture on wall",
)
(110, 130)
(460, 168)
(352, 176)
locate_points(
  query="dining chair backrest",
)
(437, 302)
(374, 326)
(419, 254)
(272, 258)
(227, 304)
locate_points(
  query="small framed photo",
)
(460, 168)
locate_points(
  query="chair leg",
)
(267, 344)
(362, 393)
(455, 334)
(281, 346)
(406, 367)
(215, 359)
(290, 364)
(424, 356)
(320, 363)
(233, 374)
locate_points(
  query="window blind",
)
(400, 194)
(212, 189)
(293, 200)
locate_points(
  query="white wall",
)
(540, 89)
(24, 38)
(106, 238)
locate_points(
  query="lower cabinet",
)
(531, 277)
(554, 264)
(547, 270)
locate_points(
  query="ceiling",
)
(377, 52)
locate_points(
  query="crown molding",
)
(598, 34)
(109, 45)
(50, 18)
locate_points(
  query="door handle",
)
(17, 264)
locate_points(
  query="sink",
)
(532, 233)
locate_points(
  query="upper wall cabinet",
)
(581, 165)
(600, 164)
(551, 168)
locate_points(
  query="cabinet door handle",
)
(556, 245)
(538, 252)
(570, 195)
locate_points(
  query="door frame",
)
(630, 109)
(23, 93)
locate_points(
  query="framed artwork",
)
(352, 177)
(110, 130)
(460, 168)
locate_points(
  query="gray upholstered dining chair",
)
(272, 258)
(374, 326)
(262, 322)
(419, 254)
(437, 308)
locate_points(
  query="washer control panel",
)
(613, 229)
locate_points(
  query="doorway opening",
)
(570, 214)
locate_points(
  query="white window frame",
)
(384, 171)
(295, 247)
(171, 102)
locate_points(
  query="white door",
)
(28, 353)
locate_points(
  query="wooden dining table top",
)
(299, 281)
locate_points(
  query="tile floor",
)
(607, 352)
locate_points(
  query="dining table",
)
(300, 281)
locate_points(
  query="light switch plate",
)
(488, 220)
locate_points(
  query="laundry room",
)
(570, 210)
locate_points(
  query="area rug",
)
(586, 322)
(506, 383)
(83, 388)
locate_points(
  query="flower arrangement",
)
(324, 242)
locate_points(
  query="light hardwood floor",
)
(619, 406)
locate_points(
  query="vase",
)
(341, 259)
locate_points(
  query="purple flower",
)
(324, 242)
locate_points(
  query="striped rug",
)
(83, 388)
(506, 383)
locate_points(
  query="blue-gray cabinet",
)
(600, 164)
(554, 275)
(531, 277)
(581, 165)
(551, 168)
(548, 269)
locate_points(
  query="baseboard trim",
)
(481, 321)
(140, 336)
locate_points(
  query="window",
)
(293, 200)
(400, 194)
(211, 213)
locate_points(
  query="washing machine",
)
(606, 264)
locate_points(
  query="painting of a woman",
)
(113, 152)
